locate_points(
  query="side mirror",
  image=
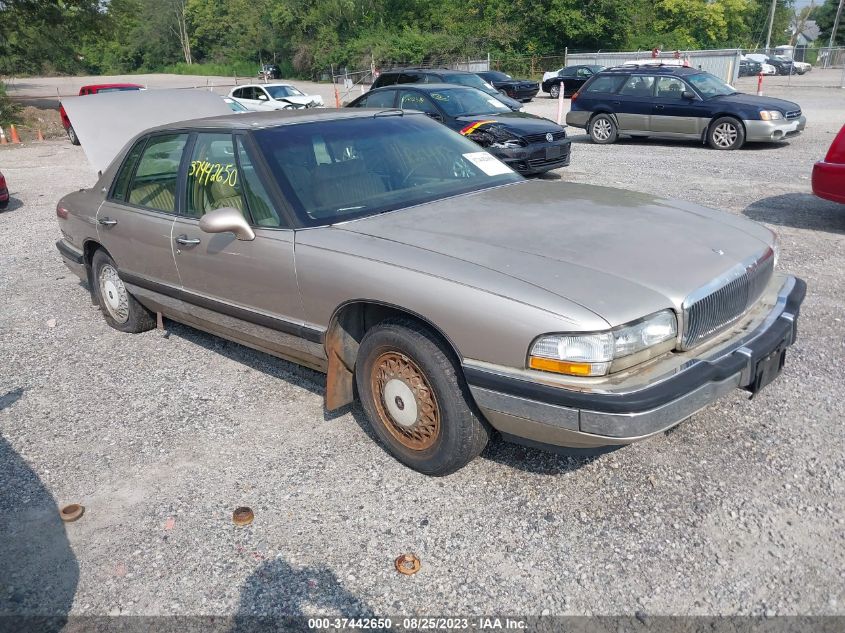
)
(262, 97)
(436, 116)
(227, 220)
(686, 94)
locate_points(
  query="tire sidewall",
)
(554, 91)
(71, 134)
(614, 132)
(440, 457)
(740, 136)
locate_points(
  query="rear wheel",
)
(726, 133)
(416, 400)
(71, 134)
(120, 309)
(602, 129)
(554, 91)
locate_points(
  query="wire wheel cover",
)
(405, 402)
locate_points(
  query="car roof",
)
(263, 85)
(658, 69)
(101, 86)
(428, 87)
(439, 71)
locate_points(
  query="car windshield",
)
(334, 171)
(468, 102)
(474, 81)
(710, 86)
(280, 92)
(495, 75)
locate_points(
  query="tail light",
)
(61, 212)
(575, 96)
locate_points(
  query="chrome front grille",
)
(707, 315)
(793, 114)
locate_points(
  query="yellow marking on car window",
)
(206, 172)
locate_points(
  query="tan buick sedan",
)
(447, 293)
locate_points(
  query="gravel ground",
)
(737, 511)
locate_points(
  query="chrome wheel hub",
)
(114, 294)
(601, 129)
(725, 135)
(400, 403)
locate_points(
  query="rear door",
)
(134, 223)
(672, 113)
(241, 288)
(634, 104)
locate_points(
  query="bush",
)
(9, 110)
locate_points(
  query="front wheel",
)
(726, 133)
(416, 400)
(554, 91)
(120, 309)
(603, 129)
(71, 134)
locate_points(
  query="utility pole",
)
(835, 24)
(771, 23)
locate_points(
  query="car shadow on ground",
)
(659, 142)
(40, 571)
(800, 211)
(542, 460)
(14, 204)
(277, 592)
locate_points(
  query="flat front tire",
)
(120, 309)
(726, 133)
(603, 129)
(416, 400)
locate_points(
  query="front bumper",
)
(829, 181)
(768, 131)
(565, 417)
(536, 157)
(522, 94)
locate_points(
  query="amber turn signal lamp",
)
(560, 366)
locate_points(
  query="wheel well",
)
(718, 116)
(347, 328)
(88, 249)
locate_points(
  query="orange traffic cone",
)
(40, 136)
(3, 140)
(14, 134)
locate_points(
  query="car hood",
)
(767, 103)
(618, 253)
(301, 100)
(520, 123)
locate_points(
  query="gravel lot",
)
(737, 511)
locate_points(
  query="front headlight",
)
(770, 115)
(593, 354)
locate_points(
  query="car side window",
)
(566, 72)
(670, 88)
(409, 78)
(608, 84)
(212, 181)
(260, 205)
(154, 184)
(638, 86)
(583, 73)
(383, 99)
(238, 93)
(121, 183)
(410, 100)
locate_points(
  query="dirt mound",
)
(34, 119)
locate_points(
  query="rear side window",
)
(387, 79)
(638, 86)
(259, 202)
(377, 100)
(154, 184)
(121, 183)
(606, 84)
(410, 78)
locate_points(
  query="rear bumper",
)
(829, 181)
(768, 131)
(578, 118)
(523, 94)
(564, 417)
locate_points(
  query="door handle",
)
(658, 107)
(617, 103)
(107, 222)
(185, 241)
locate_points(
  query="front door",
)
(242, 289)
(134, 223)
(674, 114)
